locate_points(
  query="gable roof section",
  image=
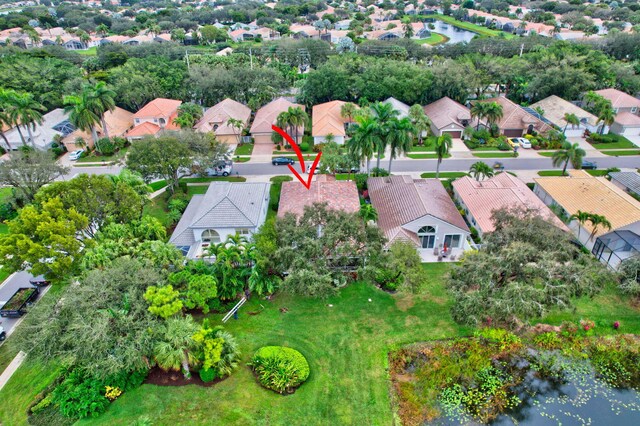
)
(500, 191)
(327, 119)
(401, 107)
(555, 108)
(159, 107)
(145, 129)
(630, 180)
(339, 195)
(268, 114)
(516, 117)
(401, 199)
(446, 111)
(220, 113)
(581, 191)
(619, 99)
(627, 119)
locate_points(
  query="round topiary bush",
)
(279, 368)
(208, 375)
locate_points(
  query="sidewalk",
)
(11, 368)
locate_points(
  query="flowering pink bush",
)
(587, 324)
(616, 325)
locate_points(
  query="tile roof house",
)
(154, 117)
(621, 102)
(419, 211)
(555, 108)
(516, 120)
(267, 116)
(327, 120)
(629, 181)
(626, 124)
(401, 107)
(481, 199)
(216, 120)
(54, 123)
(226, 209)
(448, 116)
(118, 122)
(337, 194)
(581, 191)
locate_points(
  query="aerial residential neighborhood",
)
(301, 212)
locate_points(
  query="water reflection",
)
(455, 34)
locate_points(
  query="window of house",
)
(452, 240)
(634, 109)
(210, 236)
(427, 236)
(155, 120)
(242, 231)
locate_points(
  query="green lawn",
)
(92, 158)
(546, 153)
(484, 148)
(433, 39)
(550, 173)
(622, 153)
(244, 149)
(92, 51)
(444, 175)
(484, 31)
(162, 183)
(423, 148)
(425, 156)
(493, 154)
(620, 142)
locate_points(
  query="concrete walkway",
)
(11, 368)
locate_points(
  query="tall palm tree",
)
(582, 218)
(175, 347)
(6, 97)
(26, 110)
(237, 125)
(606, 116)
(297, 118)
(420, 121)
(572, 120)
(597, 221)
(569, 153)
(102, 99)
(365, 139)
(479, 112)
(480, 169)
(384, 114)
(493, 112)
(400, 137)
(82, 115)
(368, 213)
(348, 111)
(443, 144)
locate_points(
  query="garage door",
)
(262, 139)
(454, 134)
(631, 131)
(513, 133)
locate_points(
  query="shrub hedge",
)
(279, 368)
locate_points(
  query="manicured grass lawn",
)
(471, 27)
(92, 51)
(197, 189)
(162, 183)
(493, 154)
(434, 39)
(620, 142)
(346, 346)
(597, 172)
(443, 175)
(241, 159)
(274, 194)
(484, 148)
(244, 149)
(546, 153)
(550, 173)
(92, 158)
(423, 148)
(622, 153)
(425, 156)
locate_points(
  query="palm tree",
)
(6, 99)
(237, 125)
(493, 112)
(384, 114)
(365, 139)
(479, 111)
(26, 110)
(582, 218)
(81, 115)
(296, 117)
(101, 100)
(443, 144)
(400, 137)
(606, 116)
(598, 220)
(420, 121)
(368, 213)
(174, 350)
(570, 119)
(102, 29)
(568, 152)
(348, 111)
(480, 169)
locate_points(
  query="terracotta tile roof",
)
(627, 119)
(581, 191)
(555, 108)
(268, 114)
(515, 117)
(619, 99)
(159, 107)
(500, 191)
(446, 111)
(401, 199)
(118, 122)
(327, 119)
(339, 195)
(145, 129)
(219, 115)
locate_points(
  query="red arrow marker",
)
(296, 148)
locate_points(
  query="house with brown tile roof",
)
(118, 122)
(216, 120)
(419, 211)
(327, 120)
(555, 108)
(448, 116)
(480, 199)
(517, 121)
(581, 191)
(621, 102)
(626, 124)
(267, 116)
(337, 194)
(154, 117)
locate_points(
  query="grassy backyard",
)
(433, 39)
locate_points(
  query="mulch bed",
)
(159, 377)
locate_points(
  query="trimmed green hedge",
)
(279, 368)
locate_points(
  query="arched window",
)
(162, 122)
(210, 236)
(427, 236)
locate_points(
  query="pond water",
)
(579, 398)
(455, 34)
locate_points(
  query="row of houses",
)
(421, 212)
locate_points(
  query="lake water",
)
(455, 34)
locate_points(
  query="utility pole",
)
(521, 49)
(186, 54)
(251, 57)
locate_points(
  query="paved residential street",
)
(7, 289)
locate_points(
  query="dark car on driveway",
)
(589, 165)
(282, 161)
(39, 281)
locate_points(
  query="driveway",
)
(7, 289)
